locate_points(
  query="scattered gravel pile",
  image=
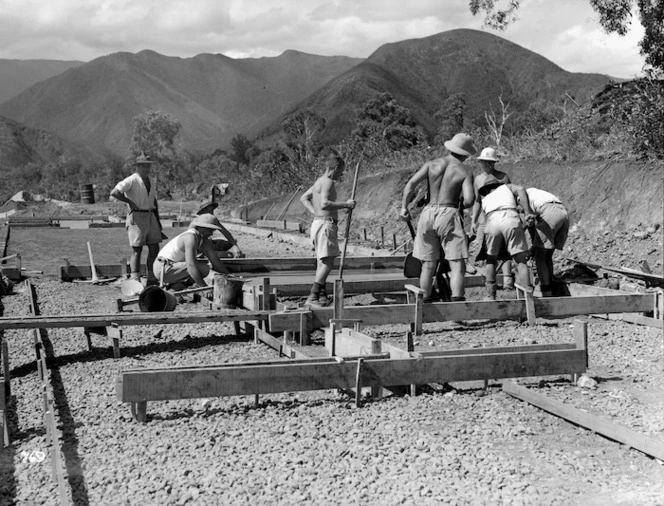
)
(467, 446)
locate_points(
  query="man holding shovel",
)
(440, 224)
(143, 225)
(321, 201)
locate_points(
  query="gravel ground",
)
(462, 446)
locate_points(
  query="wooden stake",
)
(358, 383)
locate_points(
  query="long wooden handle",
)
(350, 214)
(92, 264)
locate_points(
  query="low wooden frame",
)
(648, 445)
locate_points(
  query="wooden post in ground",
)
(419, 307)
(364, 232)
(338, 299)
(5, 366)
(527, 295)
(581, 339)
(358, 383)
(115, 333)
(410, 347)
(382, 237)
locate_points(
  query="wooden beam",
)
(251, 379)
(501, 349)
(126, 319)
(648, 445)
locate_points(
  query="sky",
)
(564, 31)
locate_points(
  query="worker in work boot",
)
(177, 261)
(143, 224)
(549, 234)
(440, 225)
(488, 161)
(321, 201)
(503, 228)
(225, 248)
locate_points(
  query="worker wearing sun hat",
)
(143, 224)
(440, 226)
(488, 159)
(177, 262)
(225, 248)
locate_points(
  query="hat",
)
(143, 158)
(488, 154)
(206, 221)
(206, 204)
(461, 144)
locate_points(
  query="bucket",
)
(87, 194)
(227, 291)
(154, 299)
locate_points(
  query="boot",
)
(508, 283)
(490, 291)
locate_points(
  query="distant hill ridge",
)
(421, 73)
(214, 96)
(17, 75)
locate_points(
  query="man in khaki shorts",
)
(440, 224)
(178, 262)
(321, 201)
(503, 227)
(551, 230)
(488, 161)
(143, 225)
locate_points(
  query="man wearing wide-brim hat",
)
(225, 248)
(488, 159)
(143, 224)
(440, 226)
(177, 260)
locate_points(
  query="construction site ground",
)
(458, 445)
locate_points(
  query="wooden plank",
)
(500, 349)
(126, 319)
(643, 443)
(251, 379)
(351, 343)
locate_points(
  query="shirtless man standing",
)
(321, 201)
(440, 224)
(488, 161)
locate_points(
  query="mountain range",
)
(214, 96)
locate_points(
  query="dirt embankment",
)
(598, 194)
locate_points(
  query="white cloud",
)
(565, 31)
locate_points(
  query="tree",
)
(497, 123)
(302, 130)
(240, 149)
(615, 16)
(451, 117)
(384, 124)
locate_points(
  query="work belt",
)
(327, 218)
(502, 209)
(165, 261)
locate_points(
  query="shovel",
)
(96, 280)
(412, 267)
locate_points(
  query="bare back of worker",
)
(450, 182)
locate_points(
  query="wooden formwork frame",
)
(53, 436)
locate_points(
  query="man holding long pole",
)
(321, 201)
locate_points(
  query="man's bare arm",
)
(189, 243)
(409, 189)
(211, 255)
(326, 204)
(121, 197)
(468, 192)
(306, 198)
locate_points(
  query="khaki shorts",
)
(552, 227)
(324, 232)
(142, 229)
(504, 227)
(176, 271)
(440, 226)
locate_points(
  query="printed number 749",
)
(33, 456)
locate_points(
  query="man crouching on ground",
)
(440, 224)
(321, 201)
(176, 262)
